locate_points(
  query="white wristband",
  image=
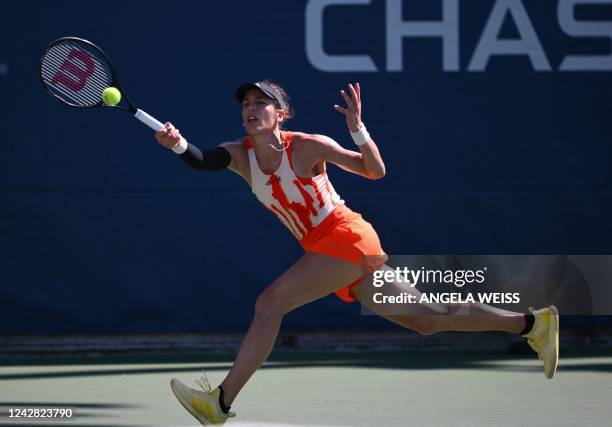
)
(181, 147)
(361, 136)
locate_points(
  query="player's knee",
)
(268, 304)
(460, 308)
(424, 325)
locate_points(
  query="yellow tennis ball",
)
(111, 96)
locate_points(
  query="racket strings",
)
(62, 53)
(76, 73)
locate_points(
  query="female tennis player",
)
(287, 172)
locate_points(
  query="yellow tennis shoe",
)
(544, 337)
(203, 405)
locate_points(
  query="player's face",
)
(259, 113)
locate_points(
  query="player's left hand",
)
(352, 112)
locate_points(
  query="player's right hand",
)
(168, 136)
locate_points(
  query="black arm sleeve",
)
(215, 159)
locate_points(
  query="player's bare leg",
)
(312, 277)
(428, 319)
(541, 330)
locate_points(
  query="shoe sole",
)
(554, 339)
(187, 406)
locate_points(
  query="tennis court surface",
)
(322, 389)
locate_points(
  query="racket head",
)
(75, 72)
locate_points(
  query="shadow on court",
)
(65, 405)
(434, 388)
(72, 424)
(496, 361)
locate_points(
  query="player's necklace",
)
(285, 145)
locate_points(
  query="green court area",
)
(322, 389)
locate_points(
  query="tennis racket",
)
(76, 72)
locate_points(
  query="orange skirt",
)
(345, 235)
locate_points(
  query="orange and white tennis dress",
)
(316, 215)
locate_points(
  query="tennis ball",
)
(111, 96)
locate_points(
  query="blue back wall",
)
(102, 230)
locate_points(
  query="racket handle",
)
(148, 120)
